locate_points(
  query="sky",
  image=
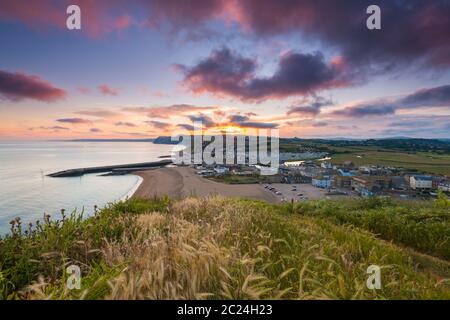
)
(141, 69)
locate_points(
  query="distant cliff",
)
(164, 140)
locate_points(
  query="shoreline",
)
(133, 190)
(181, 182)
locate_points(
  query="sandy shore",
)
(179, 182)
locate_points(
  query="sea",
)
(27, 192)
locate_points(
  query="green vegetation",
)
(45, 249)
(420, 161)
(424, 226)
(393, 144)
(219, 248)
(247, 179)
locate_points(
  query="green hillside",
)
(219, 248)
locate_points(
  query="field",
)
(223, 248)
(421, 161)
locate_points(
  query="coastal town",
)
(316, 176)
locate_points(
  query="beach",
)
(179, 182)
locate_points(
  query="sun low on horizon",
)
(152, 68)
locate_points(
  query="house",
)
(361, 185)
(399, 183)
(206, 173)
(370, 184)
(292, 175)
(341, 181)
(436, 182)
(326, 165)
(244, 170)
(321, 182)
(444, 186)
(420, 182)
(221, 170)
(267, 171)
(345, 173)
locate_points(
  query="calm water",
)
(26, 191)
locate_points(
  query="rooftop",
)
(423, 178)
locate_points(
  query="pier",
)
(115, 168)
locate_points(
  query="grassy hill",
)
(219, 248)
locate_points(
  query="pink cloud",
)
(125, 124)
(84, 90)
(421, 32)
(122, 22)
(18, 86)
(169, 111)
(226, 73)
(74, 121)
(107, 90)
(98, 17)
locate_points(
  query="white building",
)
(326, 165)
(321, 182)
(420, 182)
(221, 170)
(444, 186)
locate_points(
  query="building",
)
(444, 186)
(400, 183)
(206, 173)
(221, 170)
(289, 156)
(419, 182)
(436, 182)
(368, 185)
(326, 165)
(321, 182)
(345, 172)
(361, 186)
(343, 181)
(244, 170)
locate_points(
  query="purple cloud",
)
(99, 113)
(74, 121)
(424, 98)
(206, 121)
(19, 86)
(245, 122)
(125, 124)
(159, 124)
(225, 73)
(168, 111)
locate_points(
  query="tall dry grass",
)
(221, 248)
(218, 248)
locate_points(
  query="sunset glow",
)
(153, 67)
